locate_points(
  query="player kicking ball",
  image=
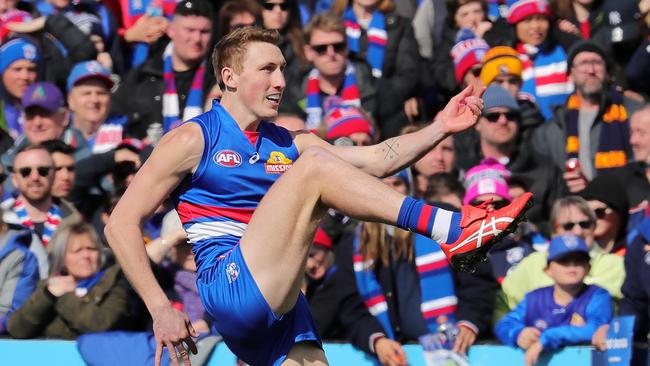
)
(250, 195)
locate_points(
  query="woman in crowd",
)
(284, 16)
(79, 296)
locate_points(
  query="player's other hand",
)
(390, 353)
(462, 111)
(173, 330)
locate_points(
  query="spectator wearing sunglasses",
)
(569, 215)
(497, 135)
(502, 66)
(606, 197)
(284, 16)
(333, 74)
(34, 207)
(46, 118)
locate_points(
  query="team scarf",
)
(438, 299)
(51, 222)
(377, 38)
(614, 133)
(349, 95)
(171, 109)
(85, 285)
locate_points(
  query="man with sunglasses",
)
(333, 74)
(502, 66)
(34, 207)
(497, 136)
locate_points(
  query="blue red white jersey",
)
(216, 203)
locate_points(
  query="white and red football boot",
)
(482, 227)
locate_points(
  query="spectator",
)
(19, 68)
(614, 25)
(35, 208)
(346, 122)
(236, 14)
(467, 55)
(64, 167)
(333, 74)
(170, 87)
(320, 286)
(144, 23)
(90, 25)
(284, 16)
(18, 271)
(568, 312)
(89, 99)
(606, 197)
(385, 40)
(445, 188)
(79, 296)
(636, 287)
(593, 126)
(497, 136)
(539, 50)
(502, 66)
(439, 160)
(291, 122)
(46, 118)
(569, 215)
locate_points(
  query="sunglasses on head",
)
(494, 116)
(497, 204)
(321, 49)
(601, 212)
(271, 6)
(568, 226)
(43, 171)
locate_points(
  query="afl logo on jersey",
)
(227, 158)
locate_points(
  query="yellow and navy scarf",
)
(614, 134)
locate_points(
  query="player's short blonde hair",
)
(231, 49)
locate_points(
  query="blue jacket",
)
(636, 287)
(19, 273)
(559, 325)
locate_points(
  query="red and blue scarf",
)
(49, 226)
(438, 298)
(171, 109)
(349, 95)
(377, 38)
(614, 132)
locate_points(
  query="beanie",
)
(489, 177)
(17, 49)
(466, 54)
(525, 8)
(343, 121)
(497, 96)
(500, 60)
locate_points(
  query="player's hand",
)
(462, 111)
(466, 337)
(532, 354)
(173, 330)
(527, 337)
(389, 352)
(599, 337)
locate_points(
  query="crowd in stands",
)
(88, 88)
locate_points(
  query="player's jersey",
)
(216, 203)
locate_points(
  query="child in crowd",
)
(568, 312)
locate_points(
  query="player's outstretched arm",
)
(392, 155)
(175, 157)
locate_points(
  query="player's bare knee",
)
(316, 160)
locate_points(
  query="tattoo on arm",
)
(391, 149)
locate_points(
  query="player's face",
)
(261, 82)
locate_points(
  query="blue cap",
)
(565, 244)
(44, 95)
(87, 70)
(17, 49)
(496, 96)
